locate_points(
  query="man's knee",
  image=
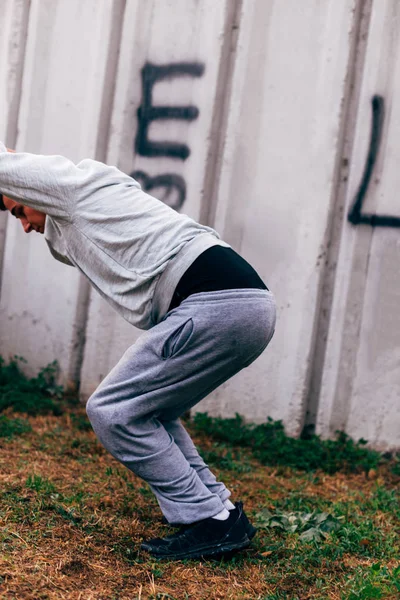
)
(101, 410)
(105, 422)
(109, 417)
(91, 407)
(97, 412)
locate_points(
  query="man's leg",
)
(124, 414)
(197, 347)
(184, 442)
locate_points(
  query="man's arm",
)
(45, 183)
(54, 184)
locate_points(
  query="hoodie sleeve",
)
(46, 183)
(54, 185)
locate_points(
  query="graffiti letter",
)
(148, 113)
(170, 181)
(356, 216)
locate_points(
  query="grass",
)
(271, 446)
(72, 518)
(10, 427)
(38, 395)
(374, 582)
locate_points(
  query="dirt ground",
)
(72, 520)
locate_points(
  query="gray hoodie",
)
(133, 248)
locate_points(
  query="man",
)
(207, 315)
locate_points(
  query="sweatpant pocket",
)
(177, 340)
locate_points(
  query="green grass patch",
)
(10, 427)
(271, 446)
(40, 484)
(373, 583)
(396, 466)
(222, 456)
(33, 396)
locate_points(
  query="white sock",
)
(228, 504)
(223, 515)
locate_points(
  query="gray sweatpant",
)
(135, 411)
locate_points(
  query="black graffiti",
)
(356, 216)
(147, 113)
(174, 185)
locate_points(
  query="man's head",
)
(31, 219)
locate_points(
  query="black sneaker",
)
(209, 537)
(250, 530)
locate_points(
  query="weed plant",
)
(271, 446)
(32, 396)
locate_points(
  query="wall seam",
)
(12, 124)
(351, 99)
(221, 112)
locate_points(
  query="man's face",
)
(31, 219)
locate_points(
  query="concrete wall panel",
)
(277, 184)
(13, 22)
(361, 379)
(179, 44)
(253, 117)
(63, 93)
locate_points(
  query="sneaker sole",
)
(223, 548)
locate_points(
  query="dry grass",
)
(72, 520)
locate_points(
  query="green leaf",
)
(311, 535)
(311, 526)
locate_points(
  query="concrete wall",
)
(360, 390)
(269, 146)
